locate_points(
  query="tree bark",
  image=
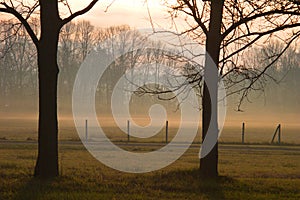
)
(47, 161)
(209, 163)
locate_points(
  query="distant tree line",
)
(278, 88)
(18, 67)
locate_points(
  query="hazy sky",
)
(131, 12)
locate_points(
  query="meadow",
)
(246, 172)
(255, 170)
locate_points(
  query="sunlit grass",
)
(247, 172)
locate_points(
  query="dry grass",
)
(247, 172)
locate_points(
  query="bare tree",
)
(76, 40)
(281, 78)
(46, 43)
(17, 64)
(228, 29)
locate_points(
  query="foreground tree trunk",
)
(51, 23)
(209, 164)
(47, 161)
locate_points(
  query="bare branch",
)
(78, 13)
(259, 35)
(11, 10)
(195, 15)
(256, 16)
(107, 7)
(257, 74)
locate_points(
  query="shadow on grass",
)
(189, 183)
(175, 184)
(34, 189)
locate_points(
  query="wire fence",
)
(241, 133)
(244, 134)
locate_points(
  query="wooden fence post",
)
(128, 130)
(243, 133)
(279, 133)
(86, 129)
(167, 130)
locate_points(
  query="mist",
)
(277, 102)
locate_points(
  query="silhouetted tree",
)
(228, 28)
(46, 43)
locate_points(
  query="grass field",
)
(255, 170)
(25, 128)
(247, 172)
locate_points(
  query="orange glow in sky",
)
(131, 12)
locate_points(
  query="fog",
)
(262, 111)
(18, 118)
(276, 101)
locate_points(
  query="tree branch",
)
(10, 10)
(245, 90)
(195, 16)
(80, 12)
(259, 35)
(259, 15)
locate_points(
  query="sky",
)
(131, 12)
(116, 12)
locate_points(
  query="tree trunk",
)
(47, 161)
(209, 164)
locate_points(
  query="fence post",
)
(279, 133)
(243, 133)
(167, 130)
(128, 130)
(86, 129)
(278, 129)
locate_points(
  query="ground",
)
(246, 172)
